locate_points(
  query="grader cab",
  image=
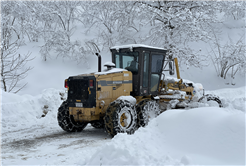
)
(132, 90)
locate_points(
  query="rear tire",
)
(66, 121)
(147, 109)
(120, 117)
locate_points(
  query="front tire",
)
(210, 97)
(66, 121)
(147, 109)
(120, 117)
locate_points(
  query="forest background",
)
(199, 33)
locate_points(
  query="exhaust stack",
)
(99, 62)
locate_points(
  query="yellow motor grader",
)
(133, 89)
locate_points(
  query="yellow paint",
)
(122, 120)
(177, 67)
(106, 94)
(84, 114)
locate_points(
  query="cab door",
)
(156, 64)
(152, 63)
(145, 75)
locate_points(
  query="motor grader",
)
(133, 89)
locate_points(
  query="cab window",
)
(128, 61)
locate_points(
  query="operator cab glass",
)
(128, 61)
(145, 63)
(156, 68)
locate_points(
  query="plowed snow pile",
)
(200, 136)
(25, 111)
(197, 136)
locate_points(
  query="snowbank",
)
(206, 135)
(200, 136)
(21, 111)
(233, 98)
(180, 137)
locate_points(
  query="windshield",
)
(128, 61)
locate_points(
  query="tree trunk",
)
(4, 85)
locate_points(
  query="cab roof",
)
(130, 46)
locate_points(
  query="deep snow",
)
(179, 137)
(198, 136)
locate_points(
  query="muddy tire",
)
(147, 109)
(66, 121)
(210, 97)
(120, 117)
(97, 125)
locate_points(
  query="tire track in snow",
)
(27, 149)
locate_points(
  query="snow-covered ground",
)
(28, 138)
(199, 136)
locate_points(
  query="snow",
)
(173, 139)
(131, 99)
(109, 64)
(169, 78)
(113, 70)
(28, 139)
(232, 98)
(199, 136)
(21, 111)
(130, 46)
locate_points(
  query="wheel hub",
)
(125, 118)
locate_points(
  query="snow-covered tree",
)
(113, 20)
(13, 65)
(229, 56)
(233, 9)
(21, 16)
(174, 24)
(59, 18)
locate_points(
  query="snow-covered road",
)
(26, 138)
(52, 146)
(199, 136)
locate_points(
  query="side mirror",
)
(171, 69)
